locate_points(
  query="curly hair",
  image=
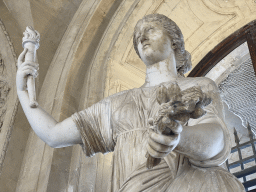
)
(183, 58)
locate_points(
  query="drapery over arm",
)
(94, 124)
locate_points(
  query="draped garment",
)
(119, 124)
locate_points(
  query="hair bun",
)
(186, 65)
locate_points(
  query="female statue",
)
(191, 155)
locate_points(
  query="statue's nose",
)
(143, 38)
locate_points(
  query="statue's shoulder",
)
(117, 96)
(203, 82)
(199, 80)
(206, 84)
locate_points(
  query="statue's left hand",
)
(160, 145)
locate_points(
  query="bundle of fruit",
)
(176, 108)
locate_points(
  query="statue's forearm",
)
(202, 141)
(40, 121)
(54, 134)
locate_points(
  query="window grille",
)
(245, 34)
(243, 161)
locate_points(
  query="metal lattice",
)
(242, 161)
(238, 90)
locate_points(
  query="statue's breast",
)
(135, 110)
(140, 105)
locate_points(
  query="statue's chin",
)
(151, 58)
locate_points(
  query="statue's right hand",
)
(25, 68)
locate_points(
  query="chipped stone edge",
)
(10, 127)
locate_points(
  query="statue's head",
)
(168, 38)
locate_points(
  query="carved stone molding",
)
(8, 95)
(4, 90)
(8, 39)
(118, 86)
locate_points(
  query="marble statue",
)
(167, 135)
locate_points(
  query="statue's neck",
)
(161, 72)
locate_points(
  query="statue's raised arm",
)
(44, 125)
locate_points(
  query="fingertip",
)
(25, 50)
(148, 147)
(22, 55)
(150, 150)
(152, 133)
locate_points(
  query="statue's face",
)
(154, 44)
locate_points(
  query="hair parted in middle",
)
(183, 58)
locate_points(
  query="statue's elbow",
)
(56, 144)
(52, 144)
(216, 143)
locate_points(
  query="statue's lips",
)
(146, 45)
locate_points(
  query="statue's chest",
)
(140, 105)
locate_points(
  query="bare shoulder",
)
(205, 83)
(208, 85)
(201, 80)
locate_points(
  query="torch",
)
(31, 42)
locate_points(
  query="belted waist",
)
(129, 131)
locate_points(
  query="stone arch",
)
(8, 94)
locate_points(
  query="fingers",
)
(22, 64)
(151, 121)
(31, 72)
(159, 147)
(169, 140)
(33, 66)
(22, 56)
(29, 68)
(156, 154)
(173, 125)
(30, 63)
